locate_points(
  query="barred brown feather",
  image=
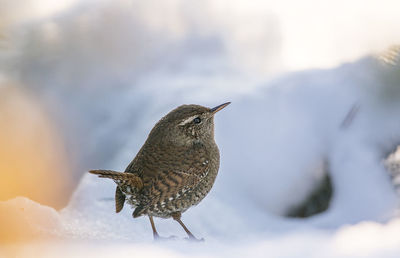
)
(122, 178)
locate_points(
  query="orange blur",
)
(32, 157)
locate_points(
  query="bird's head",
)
(187, 123)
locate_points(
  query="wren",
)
(175, 168)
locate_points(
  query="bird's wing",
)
(173, 172)
(195, 164)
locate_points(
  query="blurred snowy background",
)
(315, 91)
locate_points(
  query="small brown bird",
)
(175, 168)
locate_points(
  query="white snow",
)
(366, 239)
(108, 76)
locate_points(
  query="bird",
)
(175, 168)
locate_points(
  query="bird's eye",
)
(197, 120)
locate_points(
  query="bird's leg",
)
(177, 217)
(155, 233)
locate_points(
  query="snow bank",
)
(366, 239)
(23, 219)
(293, 123)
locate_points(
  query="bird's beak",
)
(219, 107)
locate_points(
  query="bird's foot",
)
(160, 238)
(194, 239)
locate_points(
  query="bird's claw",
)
(159, 238)
(193, 239)
(173, 238)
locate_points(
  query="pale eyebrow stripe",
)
(187, 120)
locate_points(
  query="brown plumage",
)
(175, 168)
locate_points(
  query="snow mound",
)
(366, 239)
(24, 219)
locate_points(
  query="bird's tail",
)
(120, 178)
